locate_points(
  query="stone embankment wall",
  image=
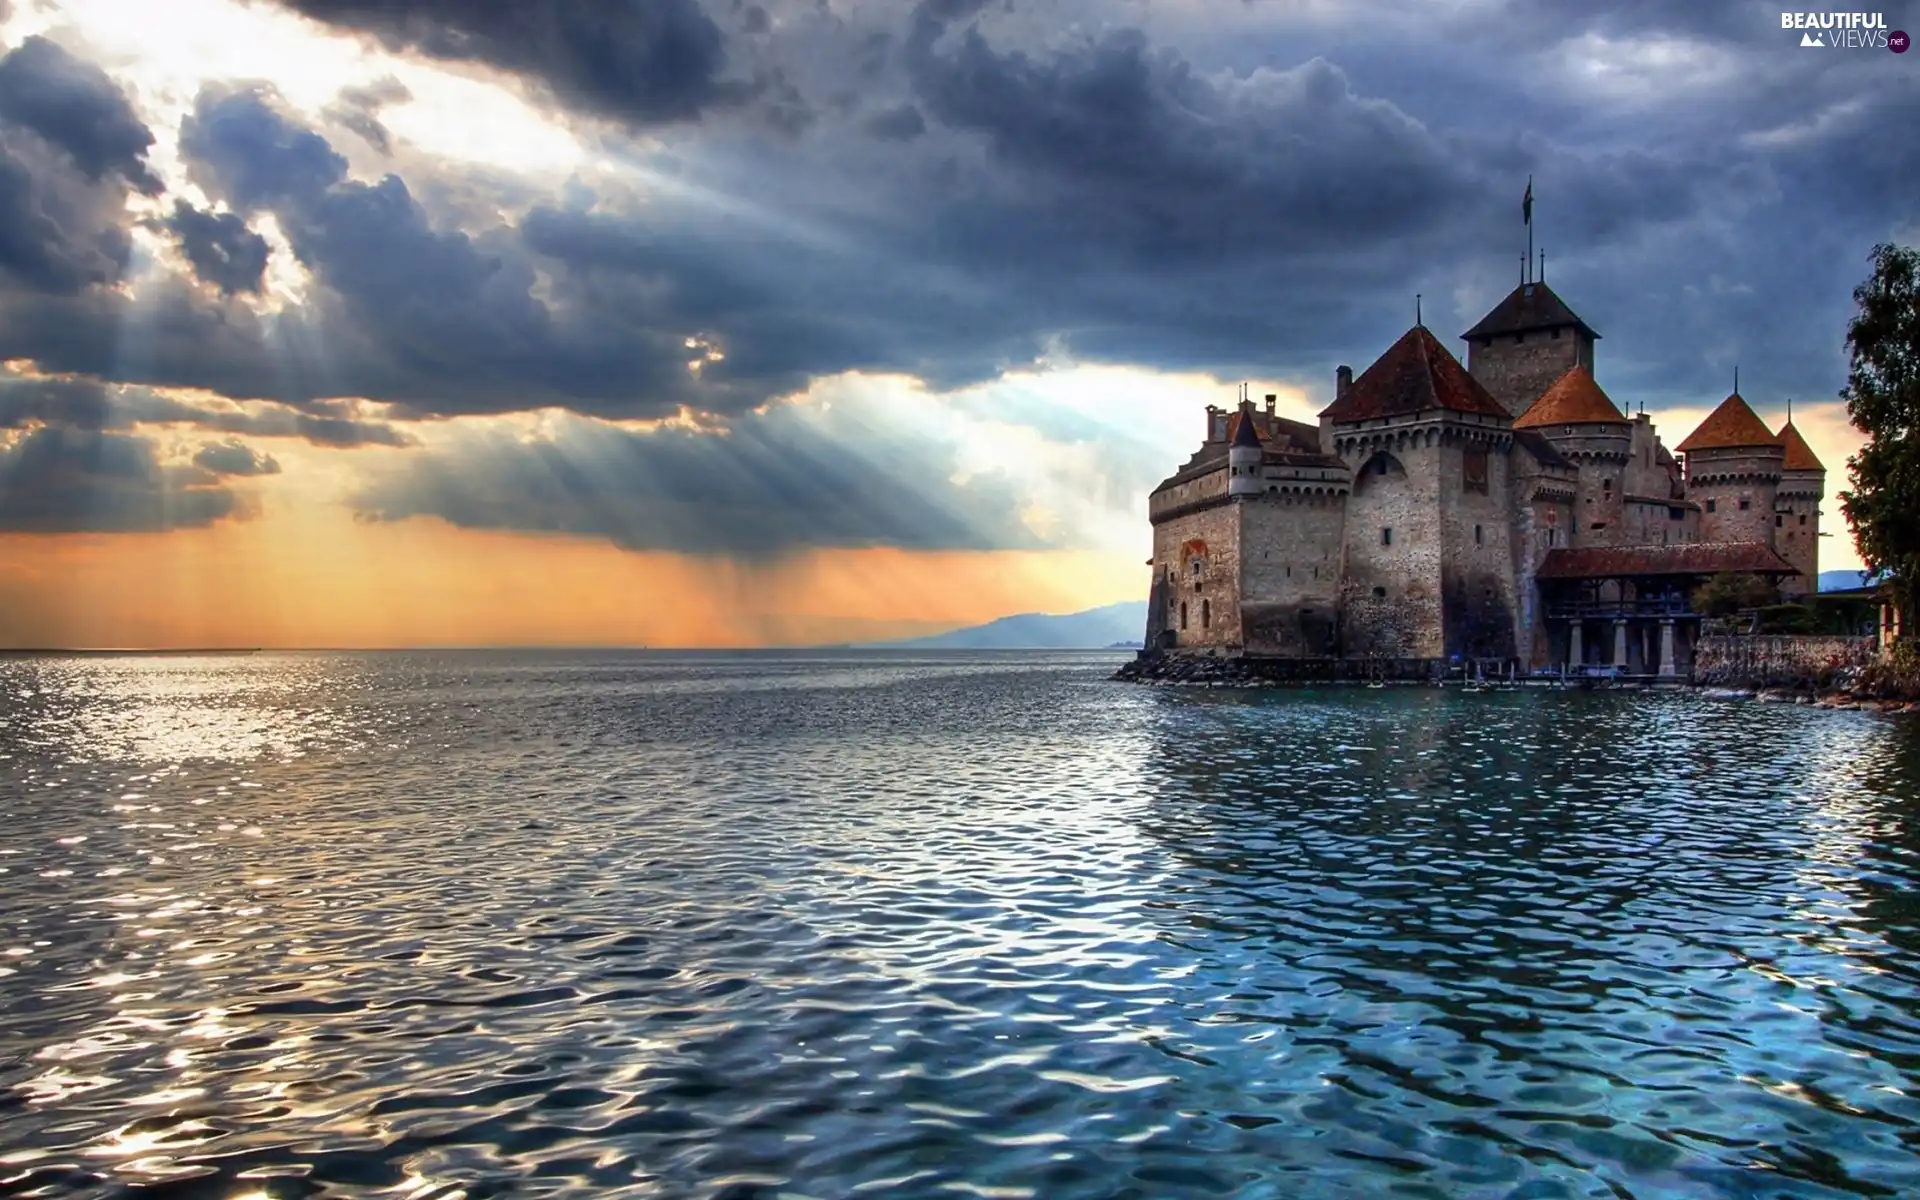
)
(1236, 671)
(1778, 661)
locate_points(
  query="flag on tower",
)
(1526, 204)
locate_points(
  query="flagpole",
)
(1529, 222)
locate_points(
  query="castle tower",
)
(1733, 465)
(1584, 425)
(1796, 517)
(1528, 342)
(1244, 455)
(1428, 561)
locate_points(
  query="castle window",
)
(1518, 338)
(1803, 518)
(1379, 593)
(1476, 535)
(1711, 504)
(1745, 504)
(1556, 333)
(1606, 486)
(1778, 520)
(1553, 537)
(1676, 514)
(1196, 568)
(1386, 536)
(1473, 471)
(1183, 614)
(1206, 614)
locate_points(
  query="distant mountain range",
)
(1117, 626)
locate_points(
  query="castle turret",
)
(1584, 425)
(1527, 343)
(1796, 511)
(1733, 465)
(1428, 558)
(1244, 455)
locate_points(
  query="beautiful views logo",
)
(1845, 31)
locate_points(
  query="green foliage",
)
(1883, 401)
(1726, 594)
(1791, 618)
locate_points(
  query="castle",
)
(1504, 514)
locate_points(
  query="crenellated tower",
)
(1796, 515)
(1589, 431)
(1733, 466)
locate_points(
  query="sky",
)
(727, 323)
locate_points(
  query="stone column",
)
(1575, 655)
(1666, 647)
(1620, 642)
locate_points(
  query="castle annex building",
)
(1505, 512)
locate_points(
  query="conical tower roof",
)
(1800, 456)
(1732, 425)
(1574, 399)
(1243, 433)
(1416, 374)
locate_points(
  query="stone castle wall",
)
(1646, 522)
(1777, 662)
(1796, 534)
(1210, 596)
(1290, 573)
(1736, 489)
(1391, 596)
(1517, 368)
(1476, 526)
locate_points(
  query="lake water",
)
(840, 925)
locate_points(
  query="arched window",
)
(1378, 469)
(1183, 614)
(1206, 614)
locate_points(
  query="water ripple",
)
(895, 925)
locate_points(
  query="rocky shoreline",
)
(1849, 690)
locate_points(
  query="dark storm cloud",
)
(234, 458)
(961, 184)
(57, 480)
(640, 61)
(60, 233)
(899, 124)
(89, 405)
(240, 144)
(358, 109)
(74, 105)
(222, 250)
(782, 481)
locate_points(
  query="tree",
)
(1726, 594)
(1883, 402)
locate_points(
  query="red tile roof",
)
(1732, 425)
(1692, 558)
(1573, 399)
(1528, 307)
(1800, 456)
(1416, 374)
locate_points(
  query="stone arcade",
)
(1504, 514)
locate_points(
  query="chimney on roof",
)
(1342, 380)
(1273, 399)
